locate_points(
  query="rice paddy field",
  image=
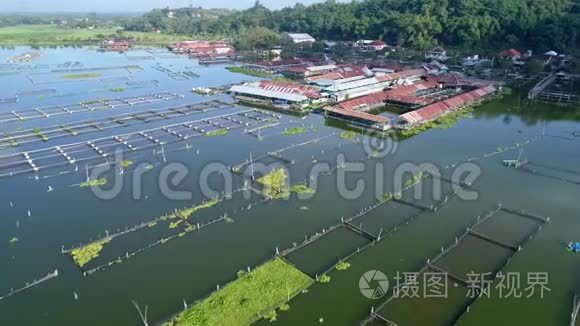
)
(55, 35)
(86, 137)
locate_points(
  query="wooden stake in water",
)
(252, 166)
(163, 153)
(141, 315)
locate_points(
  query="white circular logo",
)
(373, 284)
(380, 144)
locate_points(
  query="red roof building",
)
(115, 45)
(378, 45)
(511, 53)
(291, 88)
(200, 48)
(435, 110)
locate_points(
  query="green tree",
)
(533, 67)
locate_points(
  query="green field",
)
(242, 301)
(54, 35)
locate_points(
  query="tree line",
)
(420, 24)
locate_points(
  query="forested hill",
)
(541, 24)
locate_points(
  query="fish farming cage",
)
(385, 218)
(131, 68)
(435, 310)
(39, 92)
(21, 137)
(485, 249)
(143, 83)
(161, 68)
(61, 76)
(126, 242)
(29, 285)
(104, 148)
(183, 75)
(327, 248)
(7, 66)
(140, 57)
(322, 251)
(70, 64)
(551, 172)
(9, 100)
(25, 57)
(432, 193)
(93, 105)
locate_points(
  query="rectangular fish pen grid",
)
(102, 148)
(142, 83)
(493, 255)
(74, 129)
(461, 261)
(508, 228)
(318, 256)
(434, 310)
(9, 100)
(385, 218)
(88, 69)
(49, 91)
(46, 112)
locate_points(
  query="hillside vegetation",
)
(421, 24)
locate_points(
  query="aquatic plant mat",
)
(481, 252)
(248, 298)
(103, 148)
(92, 105)
(21, 137)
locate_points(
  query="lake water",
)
(189, 267)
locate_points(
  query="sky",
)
(132, 5)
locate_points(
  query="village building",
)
(274, 66)
(274, 54)
(297, 38)
(276, 94)
(120, 45)
(512, 54)
(377, 45)
(306, 70)
(437, 53)
(440, 108)
(344, 90)
(201, 48)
